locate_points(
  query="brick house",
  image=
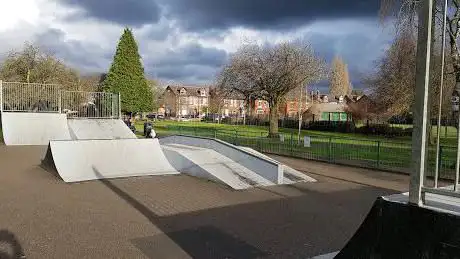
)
(186, 101)
(260, 107)
(362, 107)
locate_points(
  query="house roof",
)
(191, 90)
(327, 107)
(234, 95)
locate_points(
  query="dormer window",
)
(183, 91)
(202, 92)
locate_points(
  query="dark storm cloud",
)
(74, 53)
(193, 54)
(189, 64)
(123, 12)
(198, 15)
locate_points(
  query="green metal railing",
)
(374, 154)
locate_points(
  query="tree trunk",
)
(274, 116)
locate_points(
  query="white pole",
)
(438, 144)
(420, 111)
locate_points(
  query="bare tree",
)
(340, 80)
(216, 101)
(157, 93)
(269, 72)
(32, 65)
(393, 84)
(405, 12)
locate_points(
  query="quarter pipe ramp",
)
(83, 160)
(22, 128)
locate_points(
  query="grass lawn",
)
(345, 148)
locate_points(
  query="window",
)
(325, 116)
(183, 91)
(202, 92)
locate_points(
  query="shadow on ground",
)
(10, 247)
(290, 227)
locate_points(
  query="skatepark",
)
(77, 183)
(87, 140)
(174, 194)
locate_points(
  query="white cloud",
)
(18, 12)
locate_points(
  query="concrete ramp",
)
(83, 160)
(99, 129)
(21, 128)
(290, 174)
(227, 161)
(209, 164)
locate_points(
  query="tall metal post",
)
(438, 131)
(420, 111)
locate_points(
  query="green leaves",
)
(126, 76)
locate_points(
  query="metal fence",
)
(30, 97)
(77, 104)
(33, 97)
(374, 154)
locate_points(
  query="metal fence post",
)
(330, 149)
(439, 167)
(119, 105)
(1, 96)
(236, 137)
(60, 101)
(378, 154)
(215, 133)
(113, 106)
(292, 143)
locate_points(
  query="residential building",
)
(260, 107)
(327, 108)
(227, 105)
(186, 101)
(362, 107)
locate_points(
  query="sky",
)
(188, 41)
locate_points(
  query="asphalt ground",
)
(181, 216)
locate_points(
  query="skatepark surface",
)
(178, 216)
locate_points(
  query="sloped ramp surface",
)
(84, 160)
(209, 164)
(395, 229)
(221, 161)
(99, 129)
(33, 128)
(290, 174)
